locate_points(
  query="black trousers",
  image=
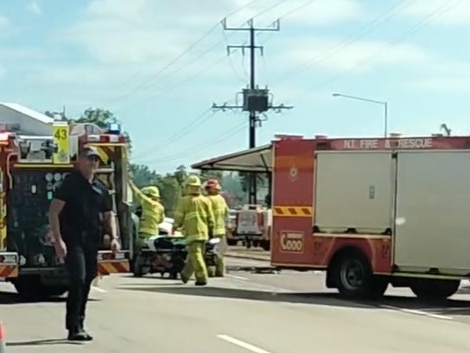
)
(81, 263)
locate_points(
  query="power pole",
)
(255, 100)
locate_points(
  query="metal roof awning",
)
(258, 159)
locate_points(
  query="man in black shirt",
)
(75, 216)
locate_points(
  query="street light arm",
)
(359, 98)
(382, 103)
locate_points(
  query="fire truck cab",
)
(32, 166)
(373, 212)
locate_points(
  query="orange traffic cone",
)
(3, 343)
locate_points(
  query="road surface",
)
(261, 313)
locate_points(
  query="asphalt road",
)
(244, 312)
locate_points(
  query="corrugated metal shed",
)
(31, 122)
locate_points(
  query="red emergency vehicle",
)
(31, 167)
(369, 211)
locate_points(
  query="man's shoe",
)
(87, 335)
(81, 329)
(78, 336)
(201, 283)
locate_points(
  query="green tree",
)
(98, 116)
(180, 175)
(210, 174)
(170, 192)
(142, 175)
(245, 177)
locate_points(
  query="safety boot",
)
(184, 278)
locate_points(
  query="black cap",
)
(90, 152)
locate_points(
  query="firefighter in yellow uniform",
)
(221, 213)
(153, 213)
(194, 215)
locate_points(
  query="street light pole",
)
(382, 103)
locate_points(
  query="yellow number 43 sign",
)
(62, 141)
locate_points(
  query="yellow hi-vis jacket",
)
(194, 214)
(153, 213)
(221, 213)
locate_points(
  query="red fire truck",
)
(369, 211)
(31, 167)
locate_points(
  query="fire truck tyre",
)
(173, 275)
(434, 290)
(232, 242)
(31, 288)
(266, 245)
(138, 266)
(355, 280)
(211, 271)
(53, 290)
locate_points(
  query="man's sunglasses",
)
(93, 158)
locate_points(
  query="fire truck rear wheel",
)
(266, 245)
(232, 242)
(31, 287)
(434, 290)
(354, 278)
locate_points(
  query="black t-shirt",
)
(84, 203)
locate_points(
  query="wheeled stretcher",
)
(167, 255)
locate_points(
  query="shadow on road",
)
(42, 342)
(329, 299)
(446, 307)
(12, 298)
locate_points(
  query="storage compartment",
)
(354, 190)
(433, 198)
(27, 213)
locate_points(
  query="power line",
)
(201, 118)
(221, 138)
(219, 59)
(157, 75)
(366, 29)
(428, 19)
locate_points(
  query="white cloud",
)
(444, 85)
(443, 78)
(142, 36)
(33, 7)
(443, 12)
(326, 54)
(4, 21)
(141, 31)
(3, 72)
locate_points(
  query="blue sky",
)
(119, 55)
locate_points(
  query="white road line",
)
(463, 308)
(98, 289)
(417, 312)
(242, 344)
(237, 277)
(274, 289)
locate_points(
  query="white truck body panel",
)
(433, 198)
(354, 190)
(422, 196)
